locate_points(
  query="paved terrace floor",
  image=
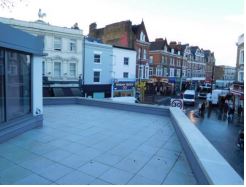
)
(90, 145)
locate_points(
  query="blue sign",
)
(124, 85)
(172, 79)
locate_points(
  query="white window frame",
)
(151, 58)
(239, 76)
(126, 58)
(144, 54)
(126, 73)
(241, 56)
(171, 74)
(140, 72)
(150, 71)
(73, 45)
(142, 36)
(54, 69)
(139, 53)
(146, 72)
(178, 72)
(159, 71)
(75, 69)
(97, 60)
(57, 44)
(96, 70)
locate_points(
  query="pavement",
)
(89, 145)
(220, 133)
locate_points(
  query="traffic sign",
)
(177, 103)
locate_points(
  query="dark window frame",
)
(6, 106)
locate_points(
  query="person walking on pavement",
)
(230, 114)
(210, 106)
(239, 113)
(225, 111)
(203, 109)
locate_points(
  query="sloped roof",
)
(158, 44)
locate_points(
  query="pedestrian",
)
(240, 139)
(239, 112)
(203, 109)
(210, 106)
(230, 114)
(226, 107)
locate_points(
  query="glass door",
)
(2, 75)
(18, 86)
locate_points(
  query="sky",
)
(209, 24)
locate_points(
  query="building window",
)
(57, 44)
(150, 71)
(241, 58)
(144, 54)
(146, 72)
(162, 59)
(73, 46)
(159, 71)
(72, 69)
(171, 62)
(96, 78)
(240, 76)
(57, 69)
(165, 73)
(125, 75)
(142, 36)
(171, 72)
(178, 73)
(151, 59)
(139, 53)
(126, 61)
(97, 58)
(43, 67)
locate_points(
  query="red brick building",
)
(210, 63)
(167, 66)
(124, 34)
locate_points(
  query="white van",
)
(214, 97)
(189, 97)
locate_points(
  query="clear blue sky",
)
(210, 24)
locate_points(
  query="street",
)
(220, 133)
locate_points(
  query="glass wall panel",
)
(18, 83)
(2, 110)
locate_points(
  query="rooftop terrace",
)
(86, 141)
(91, 145)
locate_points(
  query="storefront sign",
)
(124, 85)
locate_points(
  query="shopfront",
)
(124, 89)
(237, 91)
(20, 67)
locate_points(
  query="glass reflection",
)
(18, 87)
(2, 111)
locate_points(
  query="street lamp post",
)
(181, 75)
(212, 78)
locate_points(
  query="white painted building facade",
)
(123, 72)
(124, 64)
(63, 64)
